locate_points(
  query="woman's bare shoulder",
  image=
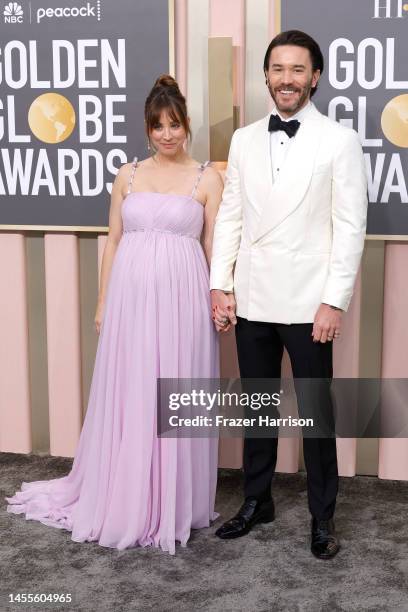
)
(212, 177)
(147, 161)
(128, 165)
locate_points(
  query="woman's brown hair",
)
(166, 96)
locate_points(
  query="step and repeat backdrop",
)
(73, 80)
(365, 86)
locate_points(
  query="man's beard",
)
(299, 104)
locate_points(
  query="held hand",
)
(223, 310)
(98, 317)
(327, 323)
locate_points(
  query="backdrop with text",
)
(365, 86)
(73, 85)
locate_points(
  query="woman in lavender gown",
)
(127, 486)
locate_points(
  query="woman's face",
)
(167, 136)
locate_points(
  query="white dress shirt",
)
(279, 142)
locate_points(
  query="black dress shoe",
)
(324, 541)
(251, 512)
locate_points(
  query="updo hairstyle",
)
(166, 95)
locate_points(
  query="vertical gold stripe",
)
(37, 342)
(372, 305)
(172, 52)
(367, 456)
(370, 336)
(220, 94)
(88, 294)
(278, 16)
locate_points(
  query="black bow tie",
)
(290, 127)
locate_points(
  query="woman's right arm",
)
(114, 235)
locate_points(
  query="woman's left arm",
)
(213, 186)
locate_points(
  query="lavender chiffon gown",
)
(127, 487)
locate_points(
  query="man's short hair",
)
(298, 39)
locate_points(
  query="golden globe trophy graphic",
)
(51, 118)
(394, 121)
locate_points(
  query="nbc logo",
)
(13, 13)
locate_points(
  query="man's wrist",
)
(333, 307)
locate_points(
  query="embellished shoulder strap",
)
(132, 174)
(200, 174)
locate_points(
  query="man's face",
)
(290, 78)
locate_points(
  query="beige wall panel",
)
(15, 412)
(63, 342)
(393, 454)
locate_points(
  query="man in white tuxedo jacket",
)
(287, 246)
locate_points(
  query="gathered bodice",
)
(169, 213)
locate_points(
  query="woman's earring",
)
(148, 145)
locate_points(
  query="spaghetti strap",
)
(200, 174)
(132, 174)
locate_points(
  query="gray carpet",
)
(269, 570)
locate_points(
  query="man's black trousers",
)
(260, 350)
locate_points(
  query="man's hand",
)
(223, 310)
(327, 323)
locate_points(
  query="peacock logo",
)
(13, 13)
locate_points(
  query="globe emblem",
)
(394, 121)
(51, 118)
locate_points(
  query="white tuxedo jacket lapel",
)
(257, 171)
(281, 198)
